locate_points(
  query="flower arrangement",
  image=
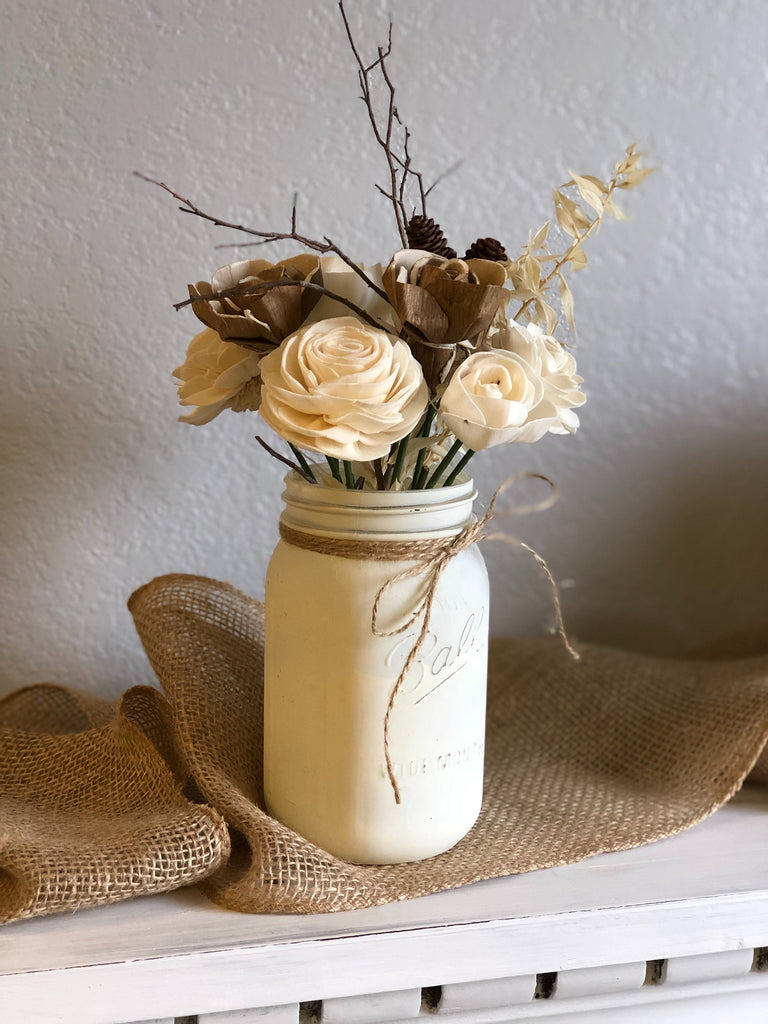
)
(393, 377)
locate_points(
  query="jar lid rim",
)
(300, 491)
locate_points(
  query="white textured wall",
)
(662, 524)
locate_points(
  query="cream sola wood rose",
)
(217, 375)
(342, 388)
(519, 390)
(221, 369)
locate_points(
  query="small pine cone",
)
(487, 249)
(423, 233)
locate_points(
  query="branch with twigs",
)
(399, 166)
(323, 247)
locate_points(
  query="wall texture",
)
(660, 536)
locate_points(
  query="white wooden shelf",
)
(613, 939)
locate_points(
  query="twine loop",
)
(431, 558)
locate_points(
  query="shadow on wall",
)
(690, 575)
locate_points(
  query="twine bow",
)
(432, 558)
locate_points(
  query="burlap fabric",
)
(99, 802)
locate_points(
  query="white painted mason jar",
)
(329, 677)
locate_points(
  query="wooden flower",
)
(342, 388)
(215, 376)
(252, 317)
(442, 303)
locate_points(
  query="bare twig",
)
(323, 247)
(243, 245)
(406, 168)
(441, 177)
(416, 174)
(399, 166)
(286, 462)
(265, 286)
(387, 195)
(364, 71)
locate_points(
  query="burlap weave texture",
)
(99, 802)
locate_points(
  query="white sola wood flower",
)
(338, 277)
(522, 387)
(217, 375)
(342, 388)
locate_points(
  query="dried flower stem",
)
(263, 286)
(573, 220)
(323, 247)
(577, 243)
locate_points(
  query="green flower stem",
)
(459, 466)
(303, 462)
(349, 476)
(444, 464)
(424, 430)
(333, 465)
(429, 419)
(402, 448)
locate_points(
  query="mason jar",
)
(330, 670)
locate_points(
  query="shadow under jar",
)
(329, 676)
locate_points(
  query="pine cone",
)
(486, 249)
(423, 233)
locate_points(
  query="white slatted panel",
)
(729, 1008)
(259, 1015)
(377, 1008)
(481, 995)
(592, 981)
(689, 969)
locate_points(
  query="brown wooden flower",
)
(254, 318)
(441, 304)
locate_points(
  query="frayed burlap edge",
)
(91, 803)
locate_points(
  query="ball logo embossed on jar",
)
(437, 662)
